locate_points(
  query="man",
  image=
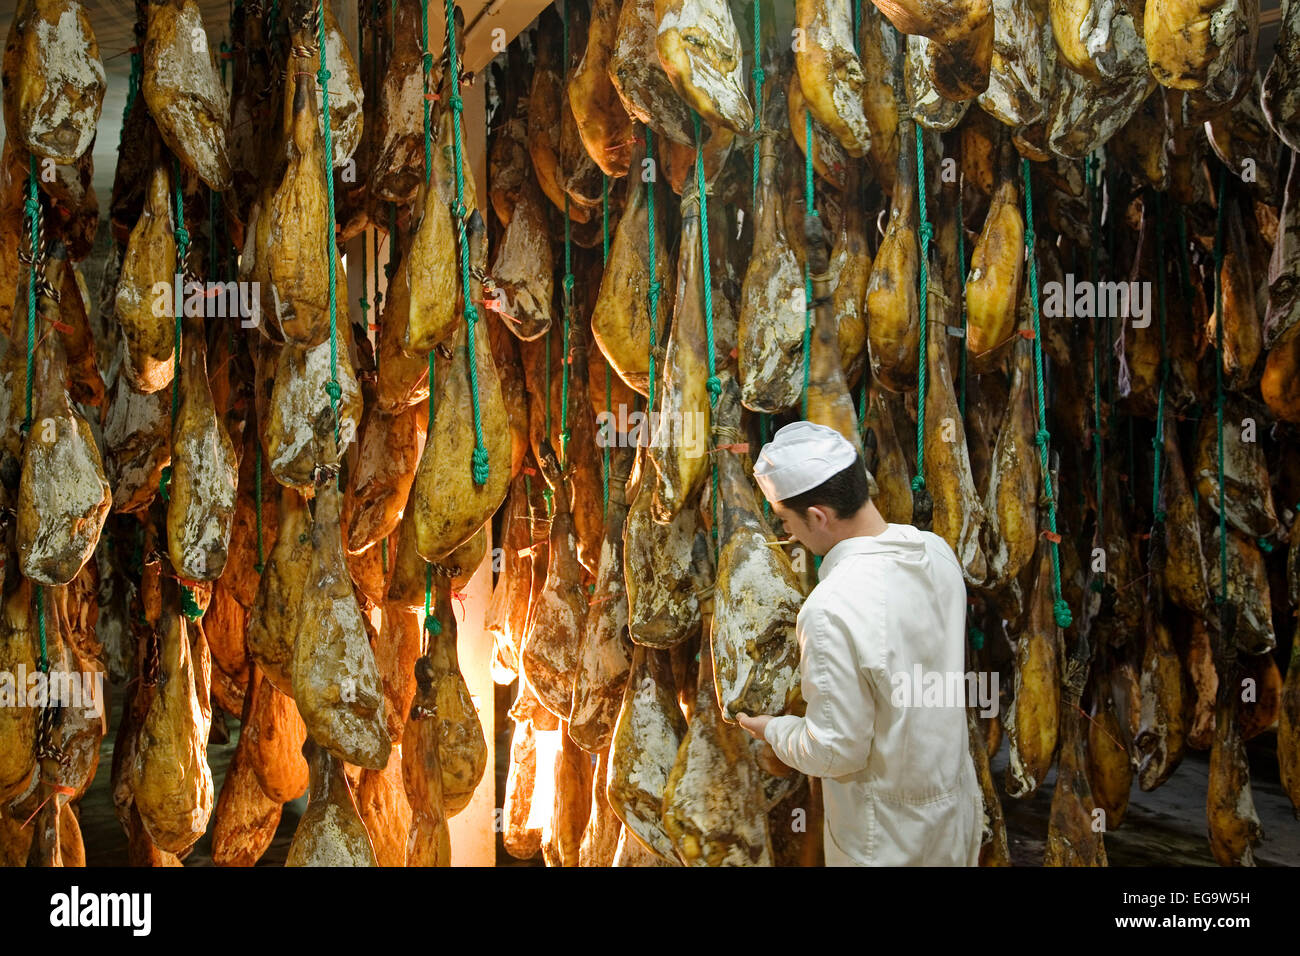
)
(898, 782)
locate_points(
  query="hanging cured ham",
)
(53, 79)
(699, 47)
(184, 91)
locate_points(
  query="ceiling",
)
(114, 20)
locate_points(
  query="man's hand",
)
(755, 726)
(767, 758)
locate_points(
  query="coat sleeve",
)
(834, 737)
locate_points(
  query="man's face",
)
(810, 528)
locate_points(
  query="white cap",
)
(800, 457)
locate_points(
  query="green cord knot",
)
(259, 567)
(164, 481)
(1042, 437)
(323, 74)
(189, 606)
(456, 102)
(918, 483)
(428, 62)
(334, 390)
(479, 465)
(471, 314)
(714, 385)
(1161, 514)
(568, 283)
(1062, 612)
(365, 306)
(926, 231)
(1265, 545)
(976, 638)
(182, 236)
(32, 207)
(759, 75)
(432, 624)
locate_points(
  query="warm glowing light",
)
(547, 745)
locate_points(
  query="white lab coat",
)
(898, 782)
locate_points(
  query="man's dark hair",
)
(844, 492)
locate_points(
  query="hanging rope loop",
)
(923, 310)
(479, 467)
(1042, 438)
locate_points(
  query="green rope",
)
(366, 278)
(379, 295)
(566, 285)
(961, 264)
(1220, 397)
(426, 62)
(133, 87)
(363, 302)
(479, 459)
(257, 497)
(1043, 438)
(1158, 442)
(182, 252)
(567, 291)
(923, 308)
(1132, 466)
(224, 57)
(431, 622)
(333, 388)
(1111, 237)
(760, 77)
(43, 661)
(655, 287)
(1094, 215)
(33, 210)
(1184, 262)
(811, 210)
(609, 385)
(390, 267)
(212, 237)
(189, 606)
(713, 384)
